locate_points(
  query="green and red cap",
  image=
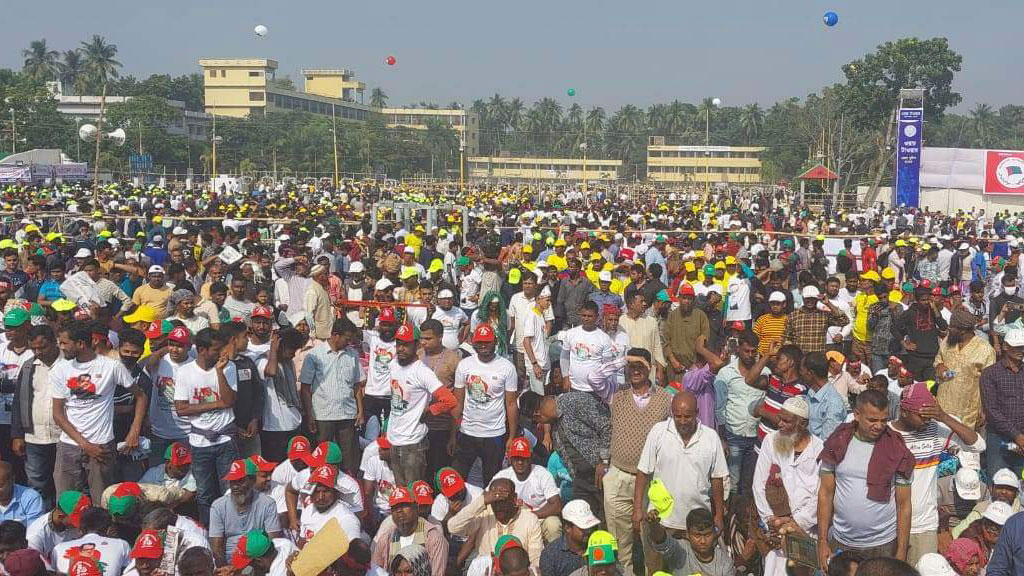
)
(449, 482)
(262, 464)
(252, 544)
(422, 492)
(299, 449)
(240, 469)
(72, 502)
(125, 499)
(177, 454)
(326, 453)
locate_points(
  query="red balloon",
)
(390, 60)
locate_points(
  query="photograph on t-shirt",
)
(82, 386)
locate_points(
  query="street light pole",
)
(334, 131)
(462, 161)
(14, 138)
(78, 141)
(707, 147)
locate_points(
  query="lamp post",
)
(14, 138)
(462, 162)
(334, 131)
(78, 141)
(715, 102)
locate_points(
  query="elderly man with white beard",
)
(786, 480)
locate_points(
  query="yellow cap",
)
(560, 242)
(719, 265)
(871, 275)
(889, 274)
(901, 243)
(730, 260)
(408, 272)
(585, 246)
(689, 267)
(895, 296)
(595, 256)
(698, 254)
(527, 249)
(514, 276)
(660, 498)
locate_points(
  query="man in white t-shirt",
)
(535, 486)
(584, 349)
(83, 386)
(452, 318)
(326, 503)
(378, 479)
(204, 396)
(413, 386)
(58, 525)
(380, 344)
(535, 329)
(111, 554)
(166, 427)
(14, 353)
(486, 391)
(453, 495)
(520, 308)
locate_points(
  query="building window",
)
(256, 96)
(223, 73)
(213, 73)
(255, 74)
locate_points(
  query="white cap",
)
(409, 250)
(154, 269)
(179, 231)
(545, 292)
(579, 514)
(383, 284)
(716, 288)
(968, 484)
(933, 564)
(542, 265)
(605, 276)
(83, 253)
(158, 238)
(1005, 477)
(446, 293)
(777, 297)
(317, 270)
(113, 242)
(810, 292)
(797, 406)
(1014, 337)
(284, 238)
(998, 512)
(356, 267)
(963, 246)
(969, 459)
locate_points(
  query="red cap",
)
(936, 291)
(400, 495)
(904, 373)
(407, 333)
(386, 316)
(608, 309)
(128, 489)
(520, 448)
(738, 326)
(178, 455)
(686, 290)
(263, 312)
(483, 333)
(153, 332)
(450, 482)
(325, 476)
(148, 545)
(240, 469)
(926, 283)
(423, 493)
(383, 442)
(299, 449)
(180, 335)
(262, 464)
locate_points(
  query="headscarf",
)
(960, 552)
(416, 556)
(963, 319)
(916, 396)
(483, 314)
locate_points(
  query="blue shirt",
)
(1008, 555)
(50, 290)
(26, 505)
(333, 377)
(827, 410)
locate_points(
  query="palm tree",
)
(440, 139)
(751, 119)
(378, 99)
(983, 123)
(72, 72)
(40, 61)
(453, 105)
(99, 59)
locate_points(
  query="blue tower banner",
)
(908, 157)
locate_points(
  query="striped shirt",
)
(333, 377)
(769, 328)
(777, 393)
(927, 444)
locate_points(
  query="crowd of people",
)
(559, 385)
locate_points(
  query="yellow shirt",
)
(862, 303)
(415, 241)
(157, 298)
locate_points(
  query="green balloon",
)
(571, 91)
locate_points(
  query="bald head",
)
(684, 413)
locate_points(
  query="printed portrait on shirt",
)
(82, 386)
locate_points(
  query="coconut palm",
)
(378, 99)
(40, 62)
(99, 57)
(983, 124)
(72, 72)
(751, 120)
(441, 140)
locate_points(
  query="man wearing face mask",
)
(1008, 302)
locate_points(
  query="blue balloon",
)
(831, 19)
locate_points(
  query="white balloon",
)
(260, 30)
(717, 101)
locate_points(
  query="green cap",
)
(327, 453)
(122, 505)
(68, 501)
(166, 326)
(15, 317)
(506, 542)
(462, 261)
(602, 549)
(662, 295)
(252, 544)
(36, 310)
(709, 269)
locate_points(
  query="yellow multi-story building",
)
(465, 123)
(334, 83)
(242, 87)
(545, 170)
(700, 164)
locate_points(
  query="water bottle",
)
(948, 375)
(1011, 447)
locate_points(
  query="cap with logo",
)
(72, 502)
(407, 333)
(602, 549)
(967, 483)
(262, 464)
(520, 448)
(263, 312)
(125, 498)
(660, 498)
(578, 513)
(299, 449)
(327, 453)
(177, 454)
(422, 492)
(148, 545)
(180, 335)
(449, 482)
(483, 333)
(15, 317)
(325, 476)
(400, 495)
(998, 512)
(240, 469)
(386, 316)
(1005, 477)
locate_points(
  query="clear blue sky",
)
(612, 53)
